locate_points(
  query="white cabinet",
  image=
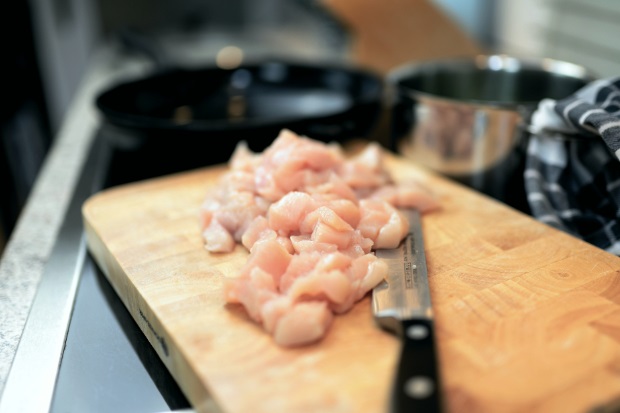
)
(586, 32)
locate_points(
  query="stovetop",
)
(108, 365)
(81, 350)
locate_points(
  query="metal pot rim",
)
(488, 62)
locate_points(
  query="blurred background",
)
(50, 43)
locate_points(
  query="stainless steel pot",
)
(467, 118)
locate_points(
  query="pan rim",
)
(142, 121)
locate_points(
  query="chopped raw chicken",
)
(310, 218)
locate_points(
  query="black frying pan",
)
(196, 116)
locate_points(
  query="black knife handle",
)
(417, 387)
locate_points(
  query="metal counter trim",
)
(43, 340)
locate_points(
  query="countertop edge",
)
(31, 242)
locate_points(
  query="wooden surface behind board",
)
(388, 33)
(528, 318)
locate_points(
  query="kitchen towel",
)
(572, 167)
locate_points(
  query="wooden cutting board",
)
(528, 318)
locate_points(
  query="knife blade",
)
(402, 304)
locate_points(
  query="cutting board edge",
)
(142, 313)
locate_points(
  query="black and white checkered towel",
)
(572, 170)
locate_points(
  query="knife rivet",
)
(419, 387)
(417, 332)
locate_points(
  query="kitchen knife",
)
(402, 304)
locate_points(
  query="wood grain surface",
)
(527, 317)
(388, 33)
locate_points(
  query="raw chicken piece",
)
(217, 238)
(305, 323)
(292, 160)
(382, 223)
(286, 214)
(365, 273)
(295, 324)
(258, 230)
(257, 289)
(270, 256)
(310, 218)
(365, 170)
(232, 206)
(408, 195)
